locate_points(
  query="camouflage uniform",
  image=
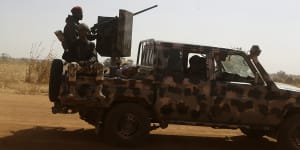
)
(85, 61)
(71, 33)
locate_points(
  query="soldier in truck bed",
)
(84, 49)
(85, 61)
(71, 33)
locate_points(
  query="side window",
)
(233, 68)
(196, 67)
(174, 66)
(148, 55)
(174, 60)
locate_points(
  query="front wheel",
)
(127, 124)
(289, 133)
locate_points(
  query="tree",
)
(4, 56)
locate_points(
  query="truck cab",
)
(232, 90)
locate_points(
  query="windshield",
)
(236, 64)
(233, 68)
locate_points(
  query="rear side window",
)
(147, 55)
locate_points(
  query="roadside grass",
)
(12, 78)
(26, 75)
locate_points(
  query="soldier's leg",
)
(98, 68)
(72, 70)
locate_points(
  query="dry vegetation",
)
(13, 76)
(282, 77)
(25, 76)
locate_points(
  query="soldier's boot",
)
(72, 91)
(58, 108)
(98, 93)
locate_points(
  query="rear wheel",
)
(127, 124)
(289, 133)
(55, 79)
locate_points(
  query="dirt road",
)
(26, 122)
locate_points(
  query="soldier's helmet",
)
(76, 9)
(77, 12)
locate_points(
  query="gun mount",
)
(114, 34)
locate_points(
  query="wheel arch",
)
(125, 99)
(137, 100)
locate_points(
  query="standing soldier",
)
(71, 33)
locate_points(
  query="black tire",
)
(253, 133)
(127, 124)
(55, 79)
(289, 133)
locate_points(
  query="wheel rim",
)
(128, 125)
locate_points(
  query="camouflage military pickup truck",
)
(185, 84)
(174, 83)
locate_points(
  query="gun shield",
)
(115, 34)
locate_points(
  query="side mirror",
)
(255, 51)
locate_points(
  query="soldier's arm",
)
(70, 34)
(93, 54)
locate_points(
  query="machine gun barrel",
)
(114, 34)
(144, 10)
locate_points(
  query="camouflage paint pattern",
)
(161, 85)
(176, 98)
(90, 82)
(73, 68)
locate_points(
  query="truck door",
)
(184, 91)
(236, 99)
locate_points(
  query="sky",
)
(274, 25)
